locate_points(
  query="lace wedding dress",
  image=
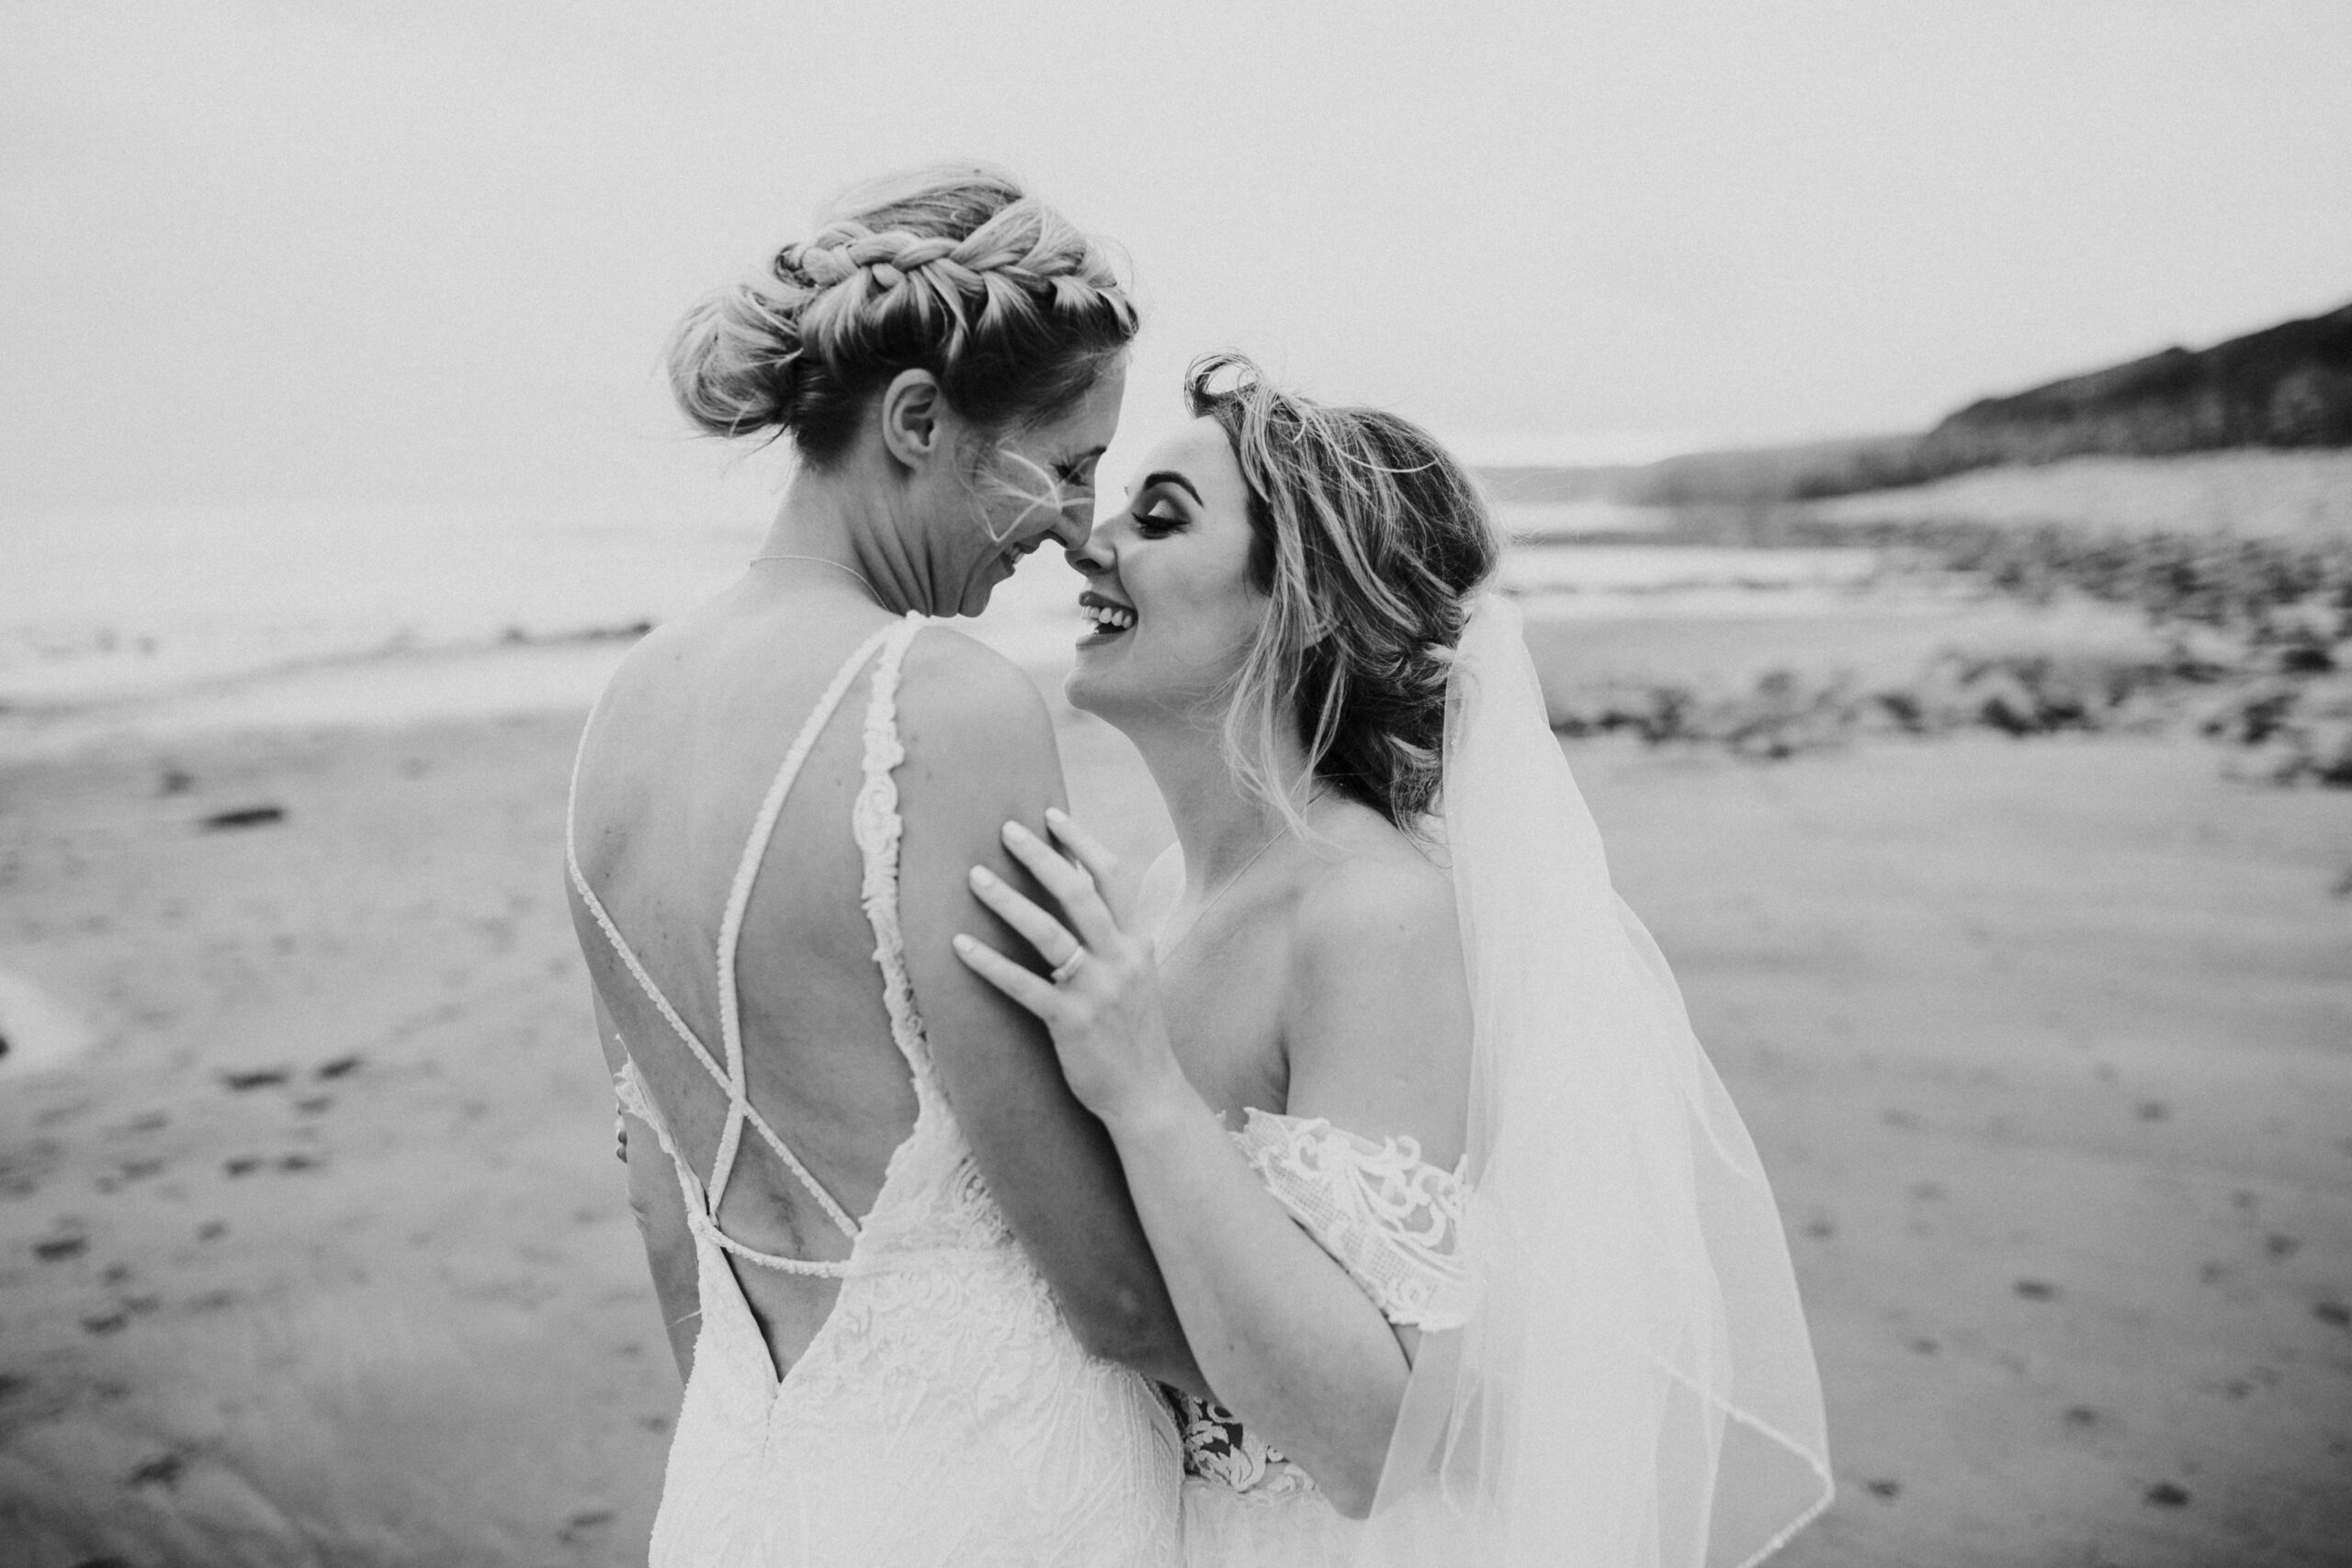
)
(944, 1415)
(1392, 1220)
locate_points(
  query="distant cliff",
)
(2286, 386)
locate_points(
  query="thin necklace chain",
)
(1215, 898)
(820, 560)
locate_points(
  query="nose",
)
(1090, 556)
(1071, 524)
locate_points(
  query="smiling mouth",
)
(1109, 619)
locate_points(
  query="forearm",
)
(1060, 1181)
(660, 1210)
(1288, 1342)
(678, 1293)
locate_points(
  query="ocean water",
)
(210, 615)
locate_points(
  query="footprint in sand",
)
(2166, 1494)
(162, 1471)
(57, 1249)
(2036, 1289)
(578, 1527)
(243, 817)
(1888, 1490)
(238, 1082)
(2333, 1313)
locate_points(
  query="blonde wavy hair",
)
(953, 269)
(1370, 540)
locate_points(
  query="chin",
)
(976, 595)
(1086, 691)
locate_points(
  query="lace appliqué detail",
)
(1218, 1448)
(1389, 1218)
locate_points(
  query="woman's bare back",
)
(878, 1366)
(674, 771)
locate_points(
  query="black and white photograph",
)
(1210, 786)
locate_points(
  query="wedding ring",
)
(1068, 967)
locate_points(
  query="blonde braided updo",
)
(1370, 540)
(953, 269)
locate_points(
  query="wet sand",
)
(318, 1253)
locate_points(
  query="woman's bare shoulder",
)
(967, 711)
(977, 734)
(1374, 891)
(1376, 1005)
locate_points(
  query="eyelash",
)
(1152, 526)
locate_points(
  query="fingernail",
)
(983, 877)
(962, 943)
(1055, 814)
(1016, 830)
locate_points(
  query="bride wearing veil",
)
(1466, 1235)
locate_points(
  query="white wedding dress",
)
(1392, 1220)
(944, 1415)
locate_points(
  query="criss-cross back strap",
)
(731, 1077)
(731, 930)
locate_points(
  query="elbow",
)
(1116, 1330)
(1120, 1328)
(1352, 1492)
(1354, 1478)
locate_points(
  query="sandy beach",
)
(313, 1250)
(317, 1253)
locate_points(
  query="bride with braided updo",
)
(897, 1258)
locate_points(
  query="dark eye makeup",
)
(1157, 514)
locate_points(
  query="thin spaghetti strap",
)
(874, 820)
(678, 1026)
(730, 933)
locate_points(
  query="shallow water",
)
(214, 617)
(105, 604)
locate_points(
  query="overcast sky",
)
(422, 251)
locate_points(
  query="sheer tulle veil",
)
(1636, 1387)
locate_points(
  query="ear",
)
(913, 417)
